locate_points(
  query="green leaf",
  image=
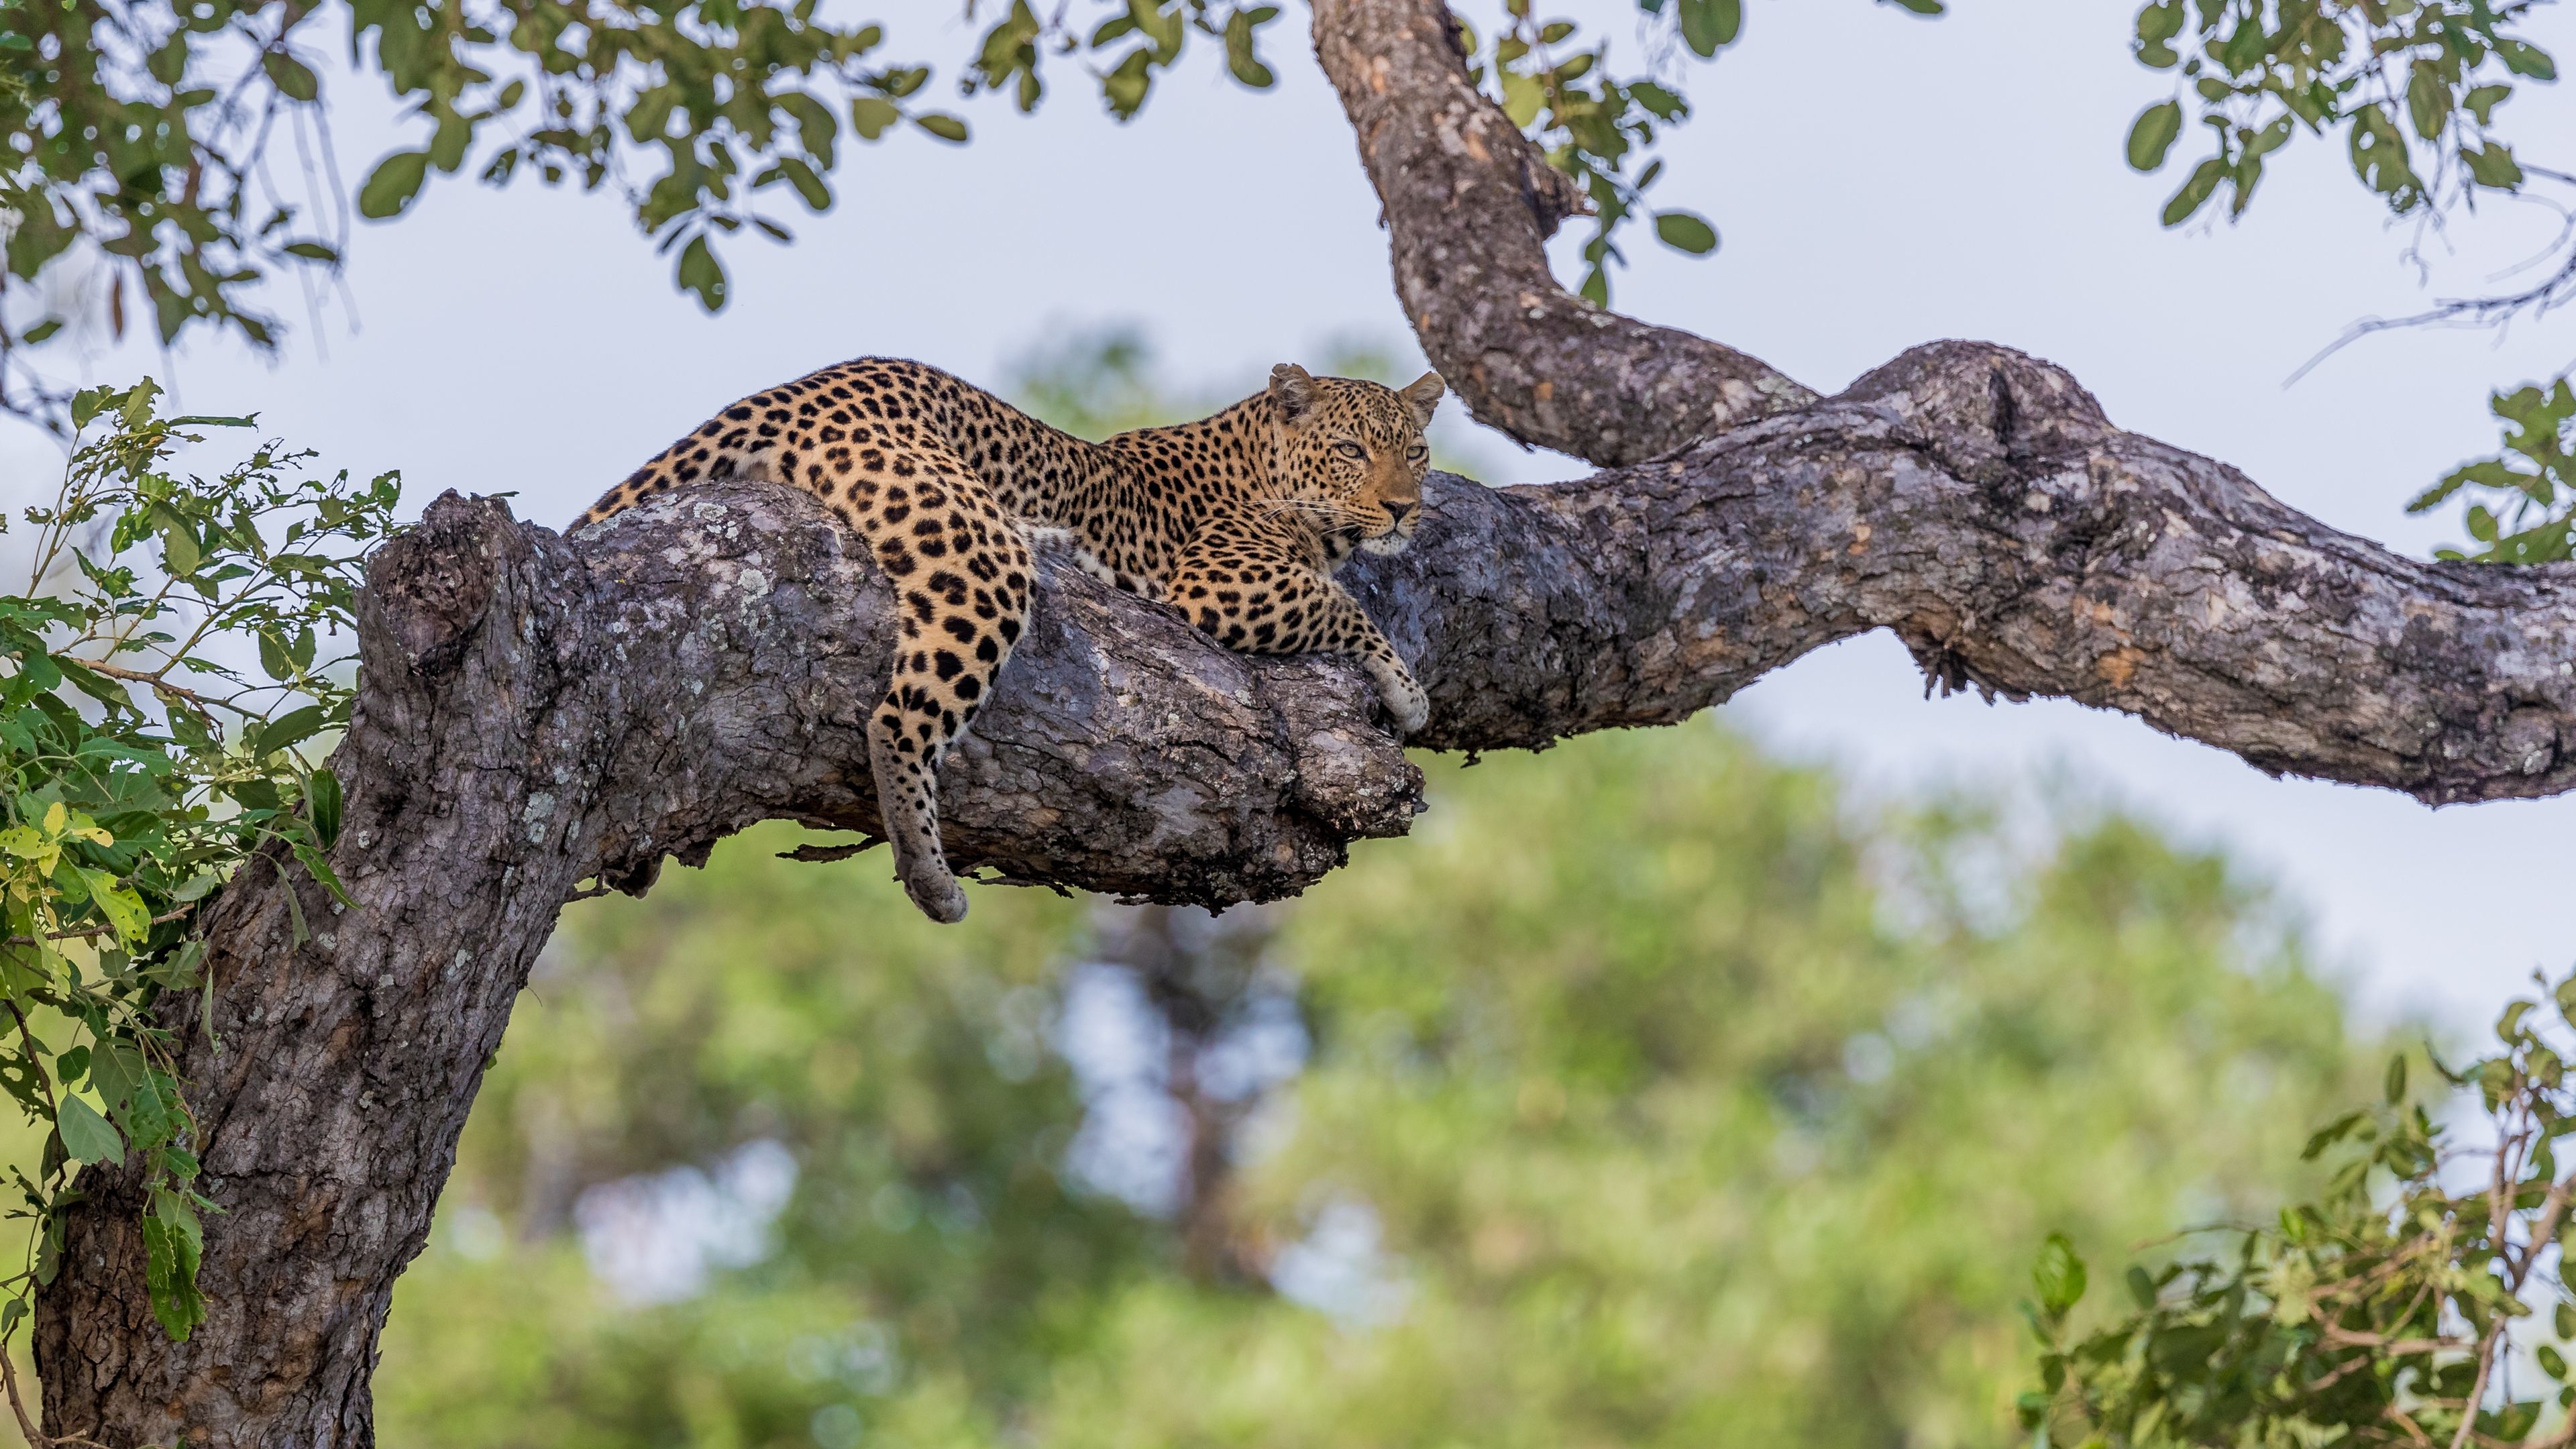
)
(2058, 1275)
(2508, 1027)
(2482, 102)
(816, 130)
(321, 868)
(122, 907)
(87, 1136)
(1125, 88)
(313, 251)
(2152, 135)
(273, 658)
(2142, 1289)
(699, 272)
(2195, 192)
(1240, 59)
(1920, 7)
(2330, 1134)
(871, 115)
(322, 799)
(41, 331)
(2158, 24)
(1709, 25)
(1658, 102)
(292, 77)
(395, 181)
(2525, 59)
(2394, 1086)
(1683, 231)
(2379, 157)
(943, 125)
(2493, 165)
(172, 1245)
(809, 187)
(2428, 100)
(287, 730)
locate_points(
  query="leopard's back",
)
(1238, 518)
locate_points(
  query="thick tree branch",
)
(2054, 556)
(537, 712)
(1469, 203)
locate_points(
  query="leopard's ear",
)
(1423, 396)
(1293, 387)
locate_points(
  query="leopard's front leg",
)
(1260, 599)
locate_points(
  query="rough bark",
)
(1470, 202)
(538, 711)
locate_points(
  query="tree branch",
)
(1469, 203)
(1971, 499)
(536, 712)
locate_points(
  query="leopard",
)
(1238, 520)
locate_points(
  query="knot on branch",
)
(1988, 413)
(1553, 196)
(428, 587)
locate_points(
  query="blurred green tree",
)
(1651, 1094)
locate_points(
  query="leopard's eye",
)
(1417, 452)
(1351, 450)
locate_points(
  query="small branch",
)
(163, 919)
(204, 704)
(2556, 291)
(2391, 1347)
(1469, 203)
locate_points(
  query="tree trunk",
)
(538, 712)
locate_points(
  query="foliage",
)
(764, 999)
(1589, 123)
(2542, 494)
(1722, 1110)
(140, 766)
(2259, 72)
(2393, 1310)
(144, 132)
(2414, 85)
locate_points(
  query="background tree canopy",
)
(1643, 1068)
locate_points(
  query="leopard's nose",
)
(1395, 511)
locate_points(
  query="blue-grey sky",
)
(1879, 181)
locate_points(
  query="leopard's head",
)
(1351, 456)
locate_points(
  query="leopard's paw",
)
(1404, 699)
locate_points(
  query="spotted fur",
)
(1238, 520)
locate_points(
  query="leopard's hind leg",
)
(961, 578)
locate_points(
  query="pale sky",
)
(1879, 181)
